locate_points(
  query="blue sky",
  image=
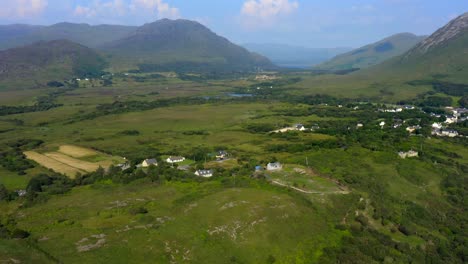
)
(310, 23)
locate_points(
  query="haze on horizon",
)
(307, 23)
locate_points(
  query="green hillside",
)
(41, 62)
(372, 54)
(184, 45)
(443, 55)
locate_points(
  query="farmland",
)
(71, 160)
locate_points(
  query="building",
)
(449, 133)
(299, 127)
(437, 126)
(221, 155)
(359, 125)
(204, 173)
(409, 154)
(148, 162)
(273, 166)
(411, 129)
(175, 159)
(124, 166)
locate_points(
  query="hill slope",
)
(373, 54)
(183, 44)
(46, 61)
(295, 56)
(442, 55)
(12, 36)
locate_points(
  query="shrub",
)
(19, 234)
(138, 210)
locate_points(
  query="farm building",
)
(174, 159)
(272, 166)
(204, 173)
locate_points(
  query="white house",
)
(204, 173)
(148, 162)
(273, 166)
(382, 124)
(299, 127)
(174, 159)
(359, 125)
(409, 154)
(449, 133)
(437, 126)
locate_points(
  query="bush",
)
(138, 210)
(19, 234)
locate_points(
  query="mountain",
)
(443, 55)
(183, 45)
(294, 56)
(46, 61)
(374, 53)
(12, 36)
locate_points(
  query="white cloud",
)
(22, 8)
(163, 9)
(84, 11)
(264, 13)
(150, 9)
(266, 9)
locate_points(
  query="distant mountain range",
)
(295, 56)
(165, 45)
(12, 36)
(373, 54)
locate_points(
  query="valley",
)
(209, 153)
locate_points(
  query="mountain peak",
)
(450, 31)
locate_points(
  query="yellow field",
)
(76, 163)
(76, 152)
(53, 164)
(67, 160)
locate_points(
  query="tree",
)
(3, 193)
(153, 173)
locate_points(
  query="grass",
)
(305, 179)
(244, 223)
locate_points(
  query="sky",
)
(308, 23)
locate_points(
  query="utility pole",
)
(307, 162)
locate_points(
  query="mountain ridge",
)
(374, 53)
(166, 41)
